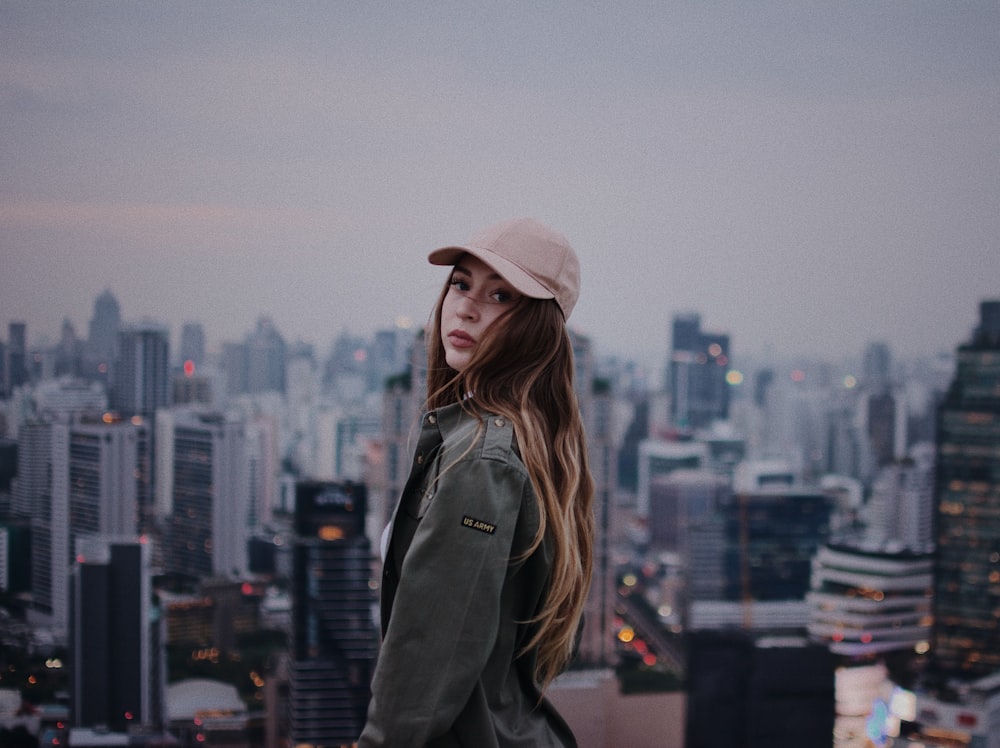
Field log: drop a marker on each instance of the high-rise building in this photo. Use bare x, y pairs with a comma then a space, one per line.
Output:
115, 673
882, 423
845, 447
16, 360
681, 499
76, 478
901, 507
193, 344
68, 352
659, 458
595, 398
402, 401
265, 358
203, 492
334, 640
758, 692
865, 601
263, 460
256, 365
102, 336
189, 388
755, 554
345, 371
142, 371
234, 368
33, 499
966, 639
387, 355
876, 374
61, 399
101, 461
771, 536
696, 374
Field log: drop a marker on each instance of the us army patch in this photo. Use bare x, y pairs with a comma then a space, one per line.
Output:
477, 524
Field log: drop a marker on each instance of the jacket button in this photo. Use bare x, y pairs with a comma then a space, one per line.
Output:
432, 418
420, 458
498, 422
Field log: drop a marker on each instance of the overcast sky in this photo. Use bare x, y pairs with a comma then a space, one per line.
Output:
809, 177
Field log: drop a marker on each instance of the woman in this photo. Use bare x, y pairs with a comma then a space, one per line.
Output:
488, 562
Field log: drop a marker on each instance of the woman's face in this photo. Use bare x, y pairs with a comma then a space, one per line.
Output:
476, 296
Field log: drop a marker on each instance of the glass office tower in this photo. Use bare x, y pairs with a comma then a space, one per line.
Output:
335, 639
967, 492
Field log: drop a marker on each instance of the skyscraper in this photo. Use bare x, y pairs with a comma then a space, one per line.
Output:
865, 601
203, 492
193, 343
696, 374
746, 691
97, 464
102, 336
680, 499
142, 371
114, 667
771, 537
68, 352
76, 478
595, 398
749, 561
265, 357
49, 523
966, 638
334, 635
901, 505
877, 368
16, 363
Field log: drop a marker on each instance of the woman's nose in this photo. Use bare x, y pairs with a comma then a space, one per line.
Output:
468, 308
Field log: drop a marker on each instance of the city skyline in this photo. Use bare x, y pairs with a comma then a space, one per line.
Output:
653, 359
807, 178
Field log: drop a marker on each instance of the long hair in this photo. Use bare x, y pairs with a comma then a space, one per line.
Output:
523, 370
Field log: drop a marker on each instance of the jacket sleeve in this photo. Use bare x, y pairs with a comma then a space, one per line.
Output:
446, 612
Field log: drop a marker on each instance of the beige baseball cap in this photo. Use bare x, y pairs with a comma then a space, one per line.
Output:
533, 258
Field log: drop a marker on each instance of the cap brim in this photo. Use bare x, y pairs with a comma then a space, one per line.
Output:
510, 272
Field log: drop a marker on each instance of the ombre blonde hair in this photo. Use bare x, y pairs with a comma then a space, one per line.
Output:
523, 370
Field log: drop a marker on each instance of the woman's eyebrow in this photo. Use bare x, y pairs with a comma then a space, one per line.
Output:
490, 277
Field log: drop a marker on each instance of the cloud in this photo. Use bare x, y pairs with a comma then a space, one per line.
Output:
161, 224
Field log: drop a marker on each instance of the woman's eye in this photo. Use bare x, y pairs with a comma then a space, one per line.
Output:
500, 296
459, 284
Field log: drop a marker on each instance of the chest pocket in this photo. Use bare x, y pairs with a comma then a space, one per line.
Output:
418, 501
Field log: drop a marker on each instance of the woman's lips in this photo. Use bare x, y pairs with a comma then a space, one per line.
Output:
460, 339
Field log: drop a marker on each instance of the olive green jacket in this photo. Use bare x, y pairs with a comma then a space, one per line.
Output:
456, 596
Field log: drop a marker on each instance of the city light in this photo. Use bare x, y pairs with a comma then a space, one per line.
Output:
330, 532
